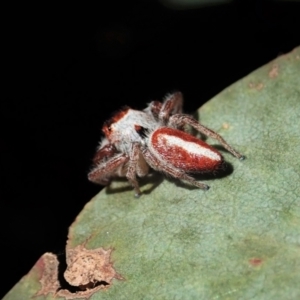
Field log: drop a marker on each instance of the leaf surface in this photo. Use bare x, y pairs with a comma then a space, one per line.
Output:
240, 239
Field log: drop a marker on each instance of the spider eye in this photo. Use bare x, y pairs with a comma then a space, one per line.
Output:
106, 129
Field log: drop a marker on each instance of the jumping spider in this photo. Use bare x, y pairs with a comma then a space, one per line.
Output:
136, 140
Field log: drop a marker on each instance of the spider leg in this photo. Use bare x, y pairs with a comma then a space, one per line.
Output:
172, 105
105, 152
158, 165
137, 166
179, 120
103, 171
154, 108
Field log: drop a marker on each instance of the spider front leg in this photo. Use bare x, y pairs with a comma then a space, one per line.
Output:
102, 172
179, 120
162, 166
104, 153
162, 111
172, 105
137, 166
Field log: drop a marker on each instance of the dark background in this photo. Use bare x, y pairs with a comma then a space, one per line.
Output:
68, 68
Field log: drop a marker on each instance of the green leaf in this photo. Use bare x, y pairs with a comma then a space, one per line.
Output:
240, 239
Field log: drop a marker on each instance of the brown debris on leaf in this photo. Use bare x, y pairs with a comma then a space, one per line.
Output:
255, 262
89, 267
258, 86
88, 270
48, 268
274, 71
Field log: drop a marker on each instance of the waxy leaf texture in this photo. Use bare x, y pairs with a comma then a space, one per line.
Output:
240, 239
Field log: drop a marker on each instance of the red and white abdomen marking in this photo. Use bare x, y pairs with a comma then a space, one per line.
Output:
184, 151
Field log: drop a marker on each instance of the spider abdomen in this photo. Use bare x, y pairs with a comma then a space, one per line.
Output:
184, 151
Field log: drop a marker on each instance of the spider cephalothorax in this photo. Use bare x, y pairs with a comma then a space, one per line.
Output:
136, 140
